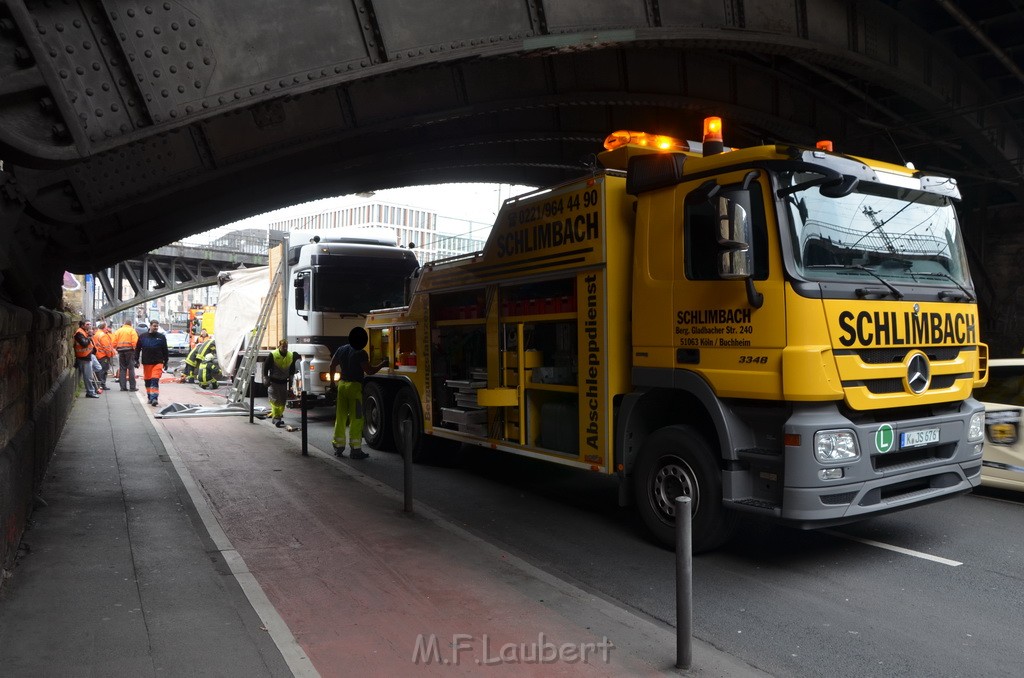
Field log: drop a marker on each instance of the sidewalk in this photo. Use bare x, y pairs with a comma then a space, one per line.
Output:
211, 546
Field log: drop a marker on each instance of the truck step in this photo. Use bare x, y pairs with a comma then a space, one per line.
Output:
751, 505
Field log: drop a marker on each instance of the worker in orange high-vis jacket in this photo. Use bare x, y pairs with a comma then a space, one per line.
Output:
152, 352
103, 340
125, 339
83, 357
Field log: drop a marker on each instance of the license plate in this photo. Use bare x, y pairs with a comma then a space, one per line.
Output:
919, 438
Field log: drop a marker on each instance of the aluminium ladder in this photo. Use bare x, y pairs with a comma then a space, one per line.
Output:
240, 384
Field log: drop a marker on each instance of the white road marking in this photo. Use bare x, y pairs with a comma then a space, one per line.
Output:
897, 549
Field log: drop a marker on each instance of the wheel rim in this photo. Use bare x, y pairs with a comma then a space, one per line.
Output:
372, 417
674, 478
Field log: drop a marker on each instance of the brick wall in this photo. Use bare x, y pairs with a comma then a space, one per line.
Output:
37, 386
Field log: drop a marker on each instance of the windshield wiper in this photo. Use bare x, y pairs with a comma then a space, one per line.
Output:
945, 294
863, 291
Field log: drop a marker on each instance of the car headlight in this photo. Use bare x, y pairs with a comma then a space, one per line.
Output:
833, 446
976, 427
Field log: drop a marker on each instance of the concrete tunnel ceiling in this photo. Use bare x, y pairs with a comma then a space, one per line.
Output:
126, 125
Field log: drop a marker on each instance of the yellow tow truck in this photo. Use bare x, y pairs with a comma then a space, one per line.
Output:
781, 331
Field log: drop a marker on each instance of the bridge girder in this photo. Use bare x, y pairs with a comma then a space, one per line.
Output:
124, 126
167, 270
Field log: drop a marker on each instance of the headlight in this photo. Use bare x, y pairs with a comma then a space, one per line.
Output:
833, 446
327, 377
976, 429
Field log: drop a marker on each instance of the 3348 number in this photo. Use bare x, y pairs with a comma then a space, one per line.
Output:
754, 359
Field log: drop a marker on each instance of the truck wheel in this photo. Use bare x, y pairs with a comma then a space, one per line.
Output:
677, 461
376, 421
407, 409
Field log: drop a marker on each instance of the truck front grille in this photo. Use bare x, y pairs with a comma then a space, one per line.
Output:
883, 386
882, 356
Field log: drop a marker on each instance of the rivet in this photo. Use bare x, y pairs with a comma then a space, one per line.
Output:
115, 108
156, 30
80, 70
199, 42
165, 49
77, 23
59, 27
198, 84
148, 53
156, 73
164, 93
182, 46
181, 88
131, 12
173, 69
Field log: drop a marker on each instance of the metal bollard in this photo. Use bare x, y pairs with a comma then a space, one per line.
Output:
684, 584
305, 440
407, 462
252, 397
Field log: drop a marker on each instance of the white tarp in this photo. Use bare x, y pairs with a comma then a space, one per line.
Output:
238, 308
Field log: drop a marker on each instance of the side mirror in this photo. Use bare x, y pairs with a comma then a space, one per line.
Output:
299, 285
735, 259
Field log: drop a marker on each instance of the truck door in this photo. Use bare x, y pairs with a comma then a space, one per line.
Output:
730, 329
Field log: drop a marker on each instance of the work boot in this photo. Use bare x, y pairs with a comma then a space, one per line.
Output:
339, 451
357, 453
279, 423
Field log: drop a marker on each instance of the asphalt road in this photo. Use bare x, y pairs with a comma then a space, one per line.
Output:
843, 602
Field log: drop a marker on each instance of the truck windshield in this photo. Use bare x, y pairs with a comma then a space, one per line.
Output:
901, 234
359, 286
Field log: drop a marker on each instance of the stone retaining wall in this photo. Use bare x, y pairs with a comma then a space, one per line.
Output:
37, 386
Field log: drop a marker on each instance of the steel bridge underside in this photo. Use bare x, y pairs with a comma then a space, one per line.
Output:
128, 125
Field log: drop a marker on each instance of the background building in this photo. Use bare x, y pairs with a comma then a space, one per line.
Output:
433, 237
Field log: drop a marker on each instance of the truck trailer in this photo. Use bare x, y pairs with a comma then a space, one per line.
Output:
779, 331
